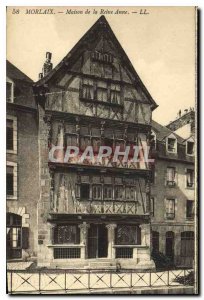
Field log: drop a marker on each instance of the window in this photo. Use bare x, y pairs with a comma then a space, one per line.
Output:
96, 191
9, 180
190, 178
11, 134
88, 89
189, 209
129, 193
190, 148
71, 140
171, 145
17, 237
152, 206
102, 91
66, 234
84, 191
119, 192
103, 57
95, 139
187, 244
108, 192
9, 91
84, 142
153, 140
170, 176
128, 235
115, 94
170, 208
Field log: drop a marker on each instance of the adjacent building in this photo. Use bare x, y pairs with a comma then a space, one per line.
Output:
22, 190
173, 191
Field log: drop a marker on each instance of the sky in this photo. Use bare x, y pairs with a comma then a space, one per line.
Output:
160, 45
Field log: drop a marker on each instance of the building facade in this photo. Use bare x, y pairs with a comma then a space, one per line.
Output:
91, 213
173, 194
22, 190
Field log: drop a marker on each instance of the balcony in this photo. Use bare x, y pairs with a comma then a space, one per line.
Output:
170, 216
171, 183
190, 185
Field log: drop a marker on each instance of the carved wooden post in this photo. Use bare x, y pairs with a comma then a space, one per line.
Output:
145, 234
52, 183
60, 143
84, 239
111, 236
148, 192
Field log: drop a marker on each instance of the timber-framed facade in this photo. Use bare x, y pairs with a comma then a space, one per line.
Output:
93, 214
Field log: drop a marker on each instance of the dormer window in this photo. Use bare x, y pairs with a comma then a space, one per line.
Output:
171, 144
190, 147
153, 140
9, 91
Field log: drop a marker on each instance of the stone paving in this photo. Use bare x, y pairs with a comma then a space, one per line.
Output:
20, 265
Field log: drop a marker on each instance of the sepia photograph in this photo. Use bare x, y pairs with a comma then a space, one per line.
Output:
101, 149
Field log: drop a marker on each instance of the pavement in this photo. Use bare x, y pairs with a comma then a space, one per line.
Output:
19, 265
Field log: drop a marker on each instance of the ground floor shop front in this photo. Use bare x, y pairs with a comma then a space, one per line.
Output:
99, 242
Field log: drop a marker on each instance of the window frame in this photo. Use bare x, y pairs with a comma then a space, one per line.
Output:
98, 185
14, 120
123, 227
187, 148
154, 138
15, 189
173, 182
112, 189
89, 186
8, 80
152, 205
167, 144
11, 227
193, 182
190, 217
169, 215
56, 235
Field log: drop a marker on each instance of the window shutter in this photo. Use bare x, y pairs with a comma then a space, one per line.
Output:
25, 237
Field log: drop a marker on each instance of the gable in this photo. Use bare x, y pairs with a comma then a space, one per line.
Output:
100, 38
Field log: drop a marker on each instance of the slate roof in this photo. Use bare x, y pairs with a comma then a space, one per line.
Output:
23, 86
162, 132
14, 73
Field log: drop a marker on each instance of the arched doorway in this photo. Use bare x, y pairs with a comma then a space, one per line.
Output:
170, 245
13, 235
155, 241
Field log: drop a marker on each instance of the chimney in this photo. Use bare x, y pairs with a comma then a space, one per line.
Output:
40, 76
47, 67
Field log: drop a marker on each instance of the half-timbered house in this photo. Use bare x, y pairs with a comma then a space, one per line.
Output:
93, 214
